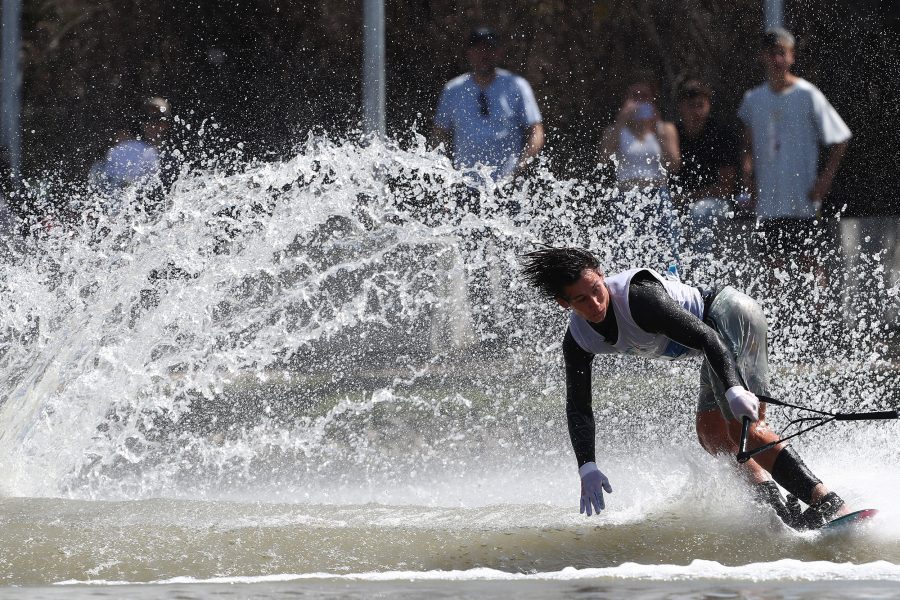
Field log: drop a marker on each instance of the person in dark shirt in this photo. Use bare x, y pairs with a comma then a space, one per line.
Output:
641, 313
710, 156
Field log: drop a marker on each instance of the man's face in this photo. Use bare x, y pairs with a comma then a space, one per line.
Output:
588, 296
483, 58
778, 60
694, 111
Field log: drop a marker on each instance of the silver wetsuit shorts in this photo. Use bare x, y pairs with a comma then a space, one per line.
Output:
740, 322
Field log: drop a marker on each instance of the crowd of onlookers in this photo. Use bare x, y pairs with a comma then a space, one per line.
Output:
697, 169
772, 165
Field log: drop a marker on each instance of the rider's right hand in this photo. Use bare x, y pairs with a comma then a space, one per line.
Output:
742, 402
593, 482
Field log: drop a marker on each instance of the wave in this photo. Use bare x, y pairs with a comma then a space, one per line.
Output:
48, 540
781, 570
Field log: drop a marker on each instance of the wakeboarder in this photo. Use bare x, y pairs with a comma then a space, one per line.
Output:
641, 313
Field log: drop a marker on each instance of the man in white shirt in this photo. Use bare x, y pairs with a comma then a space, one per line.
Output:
787, 120
489, 116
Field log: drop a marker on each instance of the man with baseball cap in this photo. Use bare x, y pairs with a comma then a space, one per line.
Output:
488, 116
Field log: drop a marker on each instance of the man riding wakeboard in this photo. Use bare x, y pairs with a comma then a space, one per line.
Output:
641, 313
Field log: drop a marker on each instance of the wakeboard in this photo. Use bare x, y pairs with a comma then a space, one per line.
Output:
849, 521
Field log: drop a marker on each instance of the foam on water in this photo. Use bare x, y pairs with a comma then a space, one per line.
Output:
782, 570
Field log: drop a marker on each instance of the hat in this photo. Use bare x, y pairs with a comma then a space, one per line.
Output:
777, 36
483, 35
693, 88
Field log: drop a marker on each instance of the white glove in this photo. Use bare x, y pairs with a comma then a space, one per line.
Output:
593, 482
743, 403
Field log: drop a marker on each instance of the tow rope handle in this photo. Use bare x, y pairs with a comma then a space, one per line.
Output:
745, 428
744, 455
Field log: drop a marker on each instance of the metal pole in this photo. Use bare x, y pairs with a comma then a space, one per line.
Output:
373, 67
774, 13
10, 95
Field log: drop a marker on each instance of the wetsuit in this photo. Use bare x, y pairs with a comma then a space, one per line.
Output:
654, 311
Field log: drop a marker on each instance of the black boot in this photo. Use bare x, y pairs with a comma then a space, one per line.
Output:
794, 508
768, 493
821, 512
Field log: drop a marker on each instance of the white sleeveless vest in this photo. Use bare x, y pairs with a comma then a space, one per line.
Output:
639, 158
632, 339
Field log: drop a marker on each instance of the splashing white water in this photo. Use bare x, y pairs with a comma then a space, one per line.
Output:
350, 318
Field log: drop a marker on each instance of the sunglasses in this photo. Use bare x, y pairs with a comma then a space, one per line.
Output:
483, 105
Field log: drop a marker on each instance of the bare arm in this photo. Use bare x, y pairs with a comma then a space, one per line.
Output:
671, 149
823, 182
533, 146
747, 159
609, 144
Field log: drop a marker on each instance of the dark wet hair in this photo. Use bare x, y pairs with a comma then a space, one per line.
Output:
553, 269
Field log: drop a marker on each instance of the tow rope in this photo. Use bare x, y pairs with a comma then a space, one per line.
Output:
823, 417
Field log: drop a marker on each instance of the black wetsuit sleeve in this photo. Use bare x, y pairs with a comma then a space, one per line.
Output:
579, 413
655, 311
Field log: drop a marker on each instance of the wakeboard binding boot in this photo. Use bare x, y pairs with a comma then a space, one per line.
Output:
818, 513
768, 493
788, 510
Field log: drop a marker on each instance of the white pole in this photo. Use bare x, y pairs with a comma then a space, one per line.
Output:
10, 94
774, 13
373, 67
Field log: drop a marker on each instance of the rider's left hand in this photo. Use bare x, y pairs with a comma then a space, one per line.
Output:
593, 482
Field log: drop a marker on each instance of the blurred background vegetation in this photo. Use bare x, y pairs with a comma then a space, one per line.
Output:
269, 71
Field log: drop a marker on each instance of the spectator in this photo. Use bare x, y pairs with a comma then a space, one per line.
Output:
127, 162
644, 151
489, 116
786, 120
710, 158
137, 160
